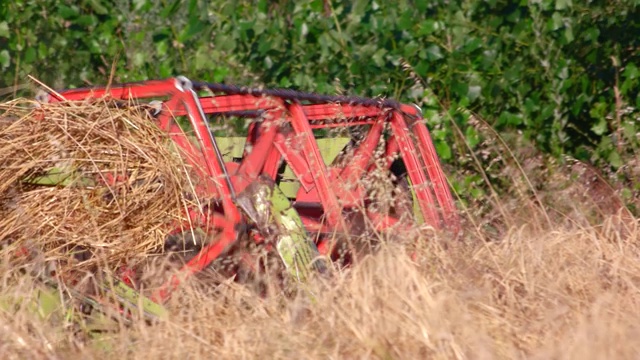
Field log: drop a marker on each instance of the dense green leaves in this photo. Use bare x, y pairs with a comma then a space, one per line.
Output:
564, 73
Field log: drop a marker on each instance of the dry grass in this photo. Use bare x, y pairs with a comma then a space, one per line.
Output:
568, 288
99, 221
559, 294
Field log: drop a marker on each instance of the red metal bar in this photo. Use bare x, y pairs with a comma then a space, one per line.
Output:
314, 226
254, 162
341, 124
414, 170
381, 222
189, 152
197, 264
289, 150
198, 218
235, 103
211, 153
362, 156
439, 181
273, 163
340, 111
231, 103
411, 110
216, 169
147, 89
332, 208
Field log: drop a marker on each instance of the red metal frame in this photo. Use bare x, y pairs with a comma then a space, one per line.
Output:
285, 134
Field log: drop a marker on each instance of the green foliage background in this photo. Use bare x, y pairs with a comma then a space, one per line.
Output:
564, 74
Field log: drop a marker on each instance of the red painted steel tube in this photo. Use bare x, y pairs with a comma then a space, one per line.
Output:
212, 156
314, 226
411, 110
340, 124
216, 169
147, 89
414, 170
209, 220
438, 179
363, 155
391, 150
333, 210
197, 264
289, 150
254, 162
189, 152
274, 158
381, 222
231, 103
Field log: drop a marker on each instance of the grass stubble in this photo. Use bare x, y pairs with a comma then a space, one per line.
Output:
559, 288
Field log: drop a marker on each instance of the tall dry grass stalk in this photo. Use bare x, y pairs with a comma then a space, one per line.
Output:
563, 294
567, 288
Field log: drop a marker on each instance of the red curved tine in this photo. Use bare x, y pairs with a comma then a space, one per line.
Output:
216, 170
197, 264
414, 169
438, 179
363, 155
142, 90
262, 154
311, 153
206, 185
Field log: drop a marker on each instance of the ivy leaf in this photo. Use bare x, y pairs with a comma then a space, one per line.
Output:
5, 59
30, 55
428, 27
510, 119
474, 92
614, 159
472, 136
631, 71
317, 6
97, 6
563, 4
568, 35
600, 127
460, 88
138, 59
378, 57
444, 150
434, 53
68, 12
193, 28
556, 21
4, 29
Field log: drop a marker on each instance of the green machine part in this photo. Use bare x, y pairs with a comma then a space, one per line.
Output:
270, 210
48, 302
298, 252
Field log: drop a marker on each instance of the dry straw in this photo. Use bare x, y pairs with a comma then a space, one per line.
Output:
89, 217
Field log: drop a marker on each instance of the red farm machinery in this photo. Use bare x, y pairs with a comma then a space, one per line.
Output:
286, 163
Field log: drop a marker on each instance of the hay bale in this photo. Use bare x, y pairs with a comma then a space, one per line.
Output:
107, 224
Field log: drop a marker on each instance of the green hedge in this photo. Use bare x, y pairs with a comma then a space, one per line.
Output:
563, 73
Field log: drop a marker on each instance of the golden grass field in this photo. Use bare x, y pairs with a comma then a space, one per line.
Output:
547, 284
